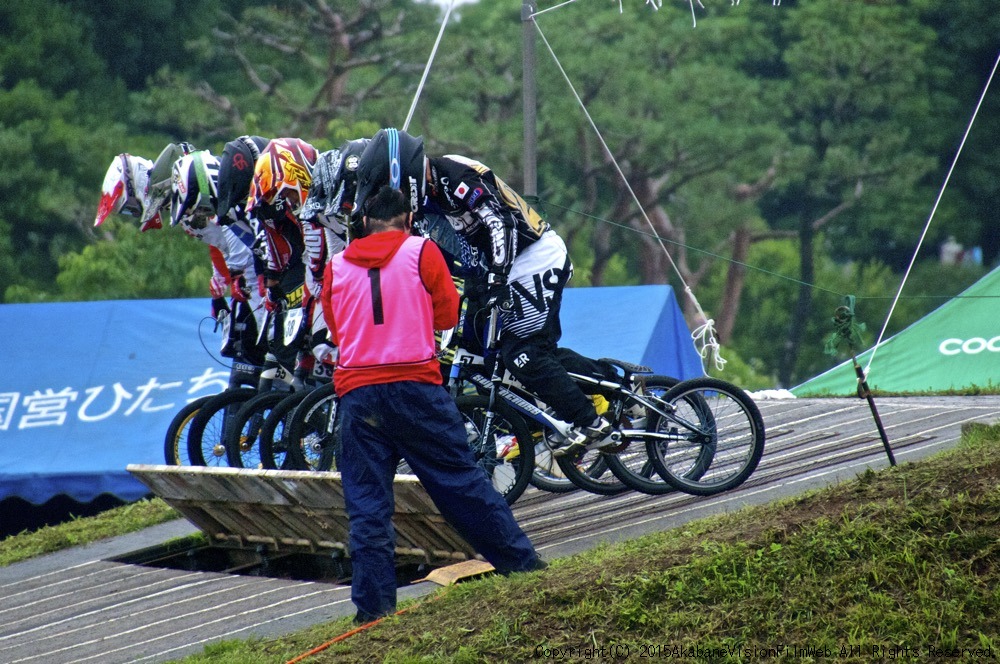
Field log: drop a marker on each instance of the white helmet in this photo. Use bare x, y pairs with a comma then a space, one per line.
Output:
159, 182
125, 190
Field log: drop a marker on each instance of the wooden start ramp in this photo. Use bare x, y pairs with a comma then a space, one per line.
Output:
296, 511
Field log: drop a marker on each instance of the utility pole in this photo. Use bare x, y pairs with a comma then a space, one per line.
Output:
528, 99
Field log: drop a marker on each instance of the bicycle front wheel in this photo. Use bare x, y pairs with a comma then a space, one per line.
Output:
711, 420
207, 435
311, 441
273, 451
175, 447
506, 451
631, 463
243, 432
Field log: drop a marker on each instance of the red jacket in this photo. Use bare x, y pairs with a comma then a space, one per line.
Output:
383, 297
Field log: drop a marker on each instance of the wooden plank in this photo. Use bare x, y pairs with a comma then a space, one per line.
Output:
298, 510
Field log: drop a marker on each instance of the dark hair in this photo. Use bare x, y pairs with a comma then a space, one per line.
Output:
385, 206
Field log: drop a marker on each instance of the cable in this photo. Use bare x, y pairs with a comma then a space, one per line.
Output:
427, 67
704, 336
207, 351
360, 628
927, 226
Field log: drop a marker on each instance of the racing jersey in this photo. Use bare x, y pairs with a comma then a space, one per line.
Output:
234, 242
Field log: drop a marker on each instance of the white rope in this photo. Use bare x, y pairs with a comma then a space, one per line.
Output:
927, 226
427, 67
706, 333
561, 4
655, 4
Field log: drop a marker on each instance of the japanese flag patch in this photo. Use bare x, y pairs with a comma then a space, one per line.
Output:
461, 190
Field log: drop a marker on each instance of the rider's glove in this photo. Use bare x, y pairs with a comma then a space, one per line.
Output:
239, 288
322, 348
217, 285
275, 298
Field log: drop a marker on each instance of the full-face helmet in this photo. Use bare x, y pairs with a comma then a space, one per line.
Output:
334, 183
283, 170
236, 167
160, 176
125, 188
194, 185
395, 158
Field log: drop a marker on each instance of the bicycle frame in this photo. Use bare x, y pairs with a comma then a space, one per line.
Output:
501, 384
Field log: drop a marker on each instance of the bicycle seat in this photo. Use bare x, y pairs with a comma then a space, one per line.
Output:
627, 367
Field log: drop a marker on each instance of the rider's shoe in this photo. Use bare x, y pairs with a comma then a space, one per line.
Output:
587, 437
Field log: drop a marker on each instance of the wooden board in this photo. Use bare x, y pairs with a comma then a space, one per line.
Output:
287, 510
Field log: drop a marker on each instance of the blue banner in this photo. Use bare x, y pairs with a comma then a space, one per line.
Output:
87, 388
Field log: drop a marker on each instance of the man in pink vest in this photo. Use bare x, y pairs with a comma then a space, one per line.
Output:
383, 297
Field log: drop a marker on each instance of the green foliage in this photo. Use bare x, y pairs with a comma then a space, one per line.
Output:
806, 101
751, 376
131, 265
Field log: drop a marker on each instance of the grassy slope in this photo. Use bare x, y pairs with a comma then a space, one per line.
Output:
117, 521
908, 557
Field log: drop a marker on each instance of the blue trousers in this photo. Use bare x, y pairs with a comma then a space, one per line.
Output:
420, 423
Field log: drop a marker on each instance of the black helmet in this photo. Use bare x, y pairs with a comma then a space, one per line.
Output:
335, 181
236, 172
395, 158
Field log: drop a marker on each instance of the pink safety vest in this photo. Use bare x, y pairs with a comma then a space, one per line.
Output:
384, 315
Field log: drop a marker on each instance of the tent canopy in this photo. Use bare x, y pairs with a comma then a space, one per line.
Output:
90, 387
955, 347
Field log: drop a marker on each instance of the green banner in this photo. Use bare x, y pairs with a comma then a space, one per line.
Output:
956, 346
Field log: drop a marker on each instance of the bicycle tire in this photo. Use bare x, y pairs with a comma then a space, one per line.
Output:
206, 437
735, 436
547, 475
175, 451
273, 451
511, 471
242, 439
590, 472
312, 437
632, 464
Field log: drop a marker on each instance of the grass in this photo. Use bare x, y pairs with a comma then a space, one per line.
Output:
117, 521
906, 558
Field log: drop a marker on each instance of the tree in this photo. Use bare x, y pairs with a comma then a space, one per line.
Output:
130, 265
853, 69
297, 69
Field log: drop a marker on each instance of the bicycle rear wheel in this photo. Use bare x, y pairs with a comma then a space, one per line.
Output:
732, 438
590, 472
548, 476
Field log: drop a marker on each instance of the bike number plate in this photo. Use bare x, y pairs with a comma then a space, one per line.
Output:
293, 320
227, 322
